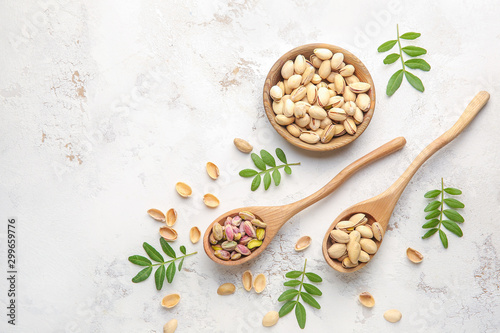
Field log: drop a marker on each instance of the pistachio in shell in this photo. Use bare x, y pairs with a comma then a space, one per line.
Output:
169, 234
226, 289
170, 326
270, 319
303, 243
212, 170
243, 145
211, 200
171, 217
194, 235
393, 316
183, 189
170, 301
366, 299
259, 284
247, 278
414, 256
156, 214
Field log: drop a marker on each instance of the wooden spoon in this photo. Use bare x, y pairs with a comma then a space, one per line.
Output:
380, 207
276, 216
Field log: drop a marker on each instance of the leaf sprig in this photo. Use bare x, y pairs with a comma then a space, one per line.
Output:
292, 296
261, 162
436, 212
412, 51
161, 273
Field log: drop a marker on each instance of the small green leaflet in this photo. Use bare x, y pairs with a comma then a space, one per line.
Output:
394, 82
271, 174
391, 58
160, 277
142, 275
414, 81
410, 35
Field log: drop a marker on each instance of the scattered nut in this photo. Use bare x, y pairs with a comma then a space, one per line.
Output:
226, 289
259, 284
243, 146
194, 235
303, 243
270, 319
183, 189
169, 234
247, 280
170, 327
212, 170
414, 256
211, 200
171, 217
366, 299
170, 301
156, 214
393, 316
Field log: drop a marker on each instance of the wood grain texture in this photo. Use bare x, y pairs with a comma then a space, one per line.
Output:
275, 75
276, 216
380, 207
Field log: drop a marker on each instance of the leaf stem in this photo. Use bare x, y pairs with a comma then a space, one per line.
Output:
301, 282
175, 259
442, 204
400, 52
277, 167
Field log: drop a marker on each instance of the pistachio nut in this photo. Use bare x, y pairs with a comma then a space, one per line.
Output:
312, 93
229, 245
211, 239
249, 228
323, 96
299, 64
336, 102
347, 263
331, 79
240, 248
328, 133
246, 215
211, 200
194, 235
351, 79
350, 126
259, 283
360, 87
258, 223
309, 137
365, 231
288, 89
314, 124
317, 112
216, 247
222, 254
316, 79
337, 114
235, 255
301, 109
278, 107
378, 231
284, 120
170, 301
315, 60
337, 60
281, 85
346, 226
294, 130
325, 123
350, 108
307, 75
393, 316
276, 93
354, 236
247, 279
339, 130
337, 250
170, 326
226, 289
366, 299
349, 95
414, 256
347, 70
339, 236
294, 81
243, 146
288, 108
359, 219
368, 245
298, 93
363, 256
270, 319
304, 121
323, 54
353, 251
217, 231
303, 243
254, 243
363, 102
229, 232
287, 69
260, 233
358, 116
237, 236
244, 240
236, 221
339, 84
325, 69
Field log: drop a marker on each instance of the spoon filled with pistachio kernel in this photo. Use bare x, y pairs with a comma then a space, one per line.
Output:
241, 234
357, 233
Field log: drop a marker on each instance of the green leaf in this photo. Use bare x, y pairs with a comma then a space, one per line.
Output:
432, 206
415, 81
313, 290
414, 51
432, 194
288, 295
171, 272
287, 308
443, 238
313, 277
453, 215
259, 163
140, 260
160, 277
152, 253
267, 180
391, 58
255, 183
183, 249
291, 283
288, 170
394, 82
452, 191
142, 275
430, 233
300, 314
247, 173
276, 177
169, 251
433, 214
418, 64
387, 46
453, 227
180, 264
293, 274
268, 158
454, 203
431, 224
281, 155
310, 300
410, 35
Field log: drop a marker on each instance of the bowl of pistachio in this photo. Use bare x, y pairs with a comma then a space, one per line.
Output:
319, 97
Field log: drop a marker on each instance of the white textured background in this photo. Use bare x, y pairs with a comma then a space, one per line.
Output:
105, 105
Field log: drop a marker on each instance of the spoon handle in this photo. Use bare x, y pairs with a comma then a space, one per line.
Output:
382, 151
470, 113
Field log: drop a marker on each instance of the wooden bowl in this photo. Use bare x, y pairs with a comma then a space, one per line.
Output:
274, 77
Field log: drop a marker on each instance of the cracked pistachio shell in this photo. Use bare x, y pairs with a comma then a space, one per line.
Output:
211, 200
298, 93
414, 256
259, 283
360, 87
308, 75
347, 263
337, 250
294, 130
347, 70
316, 79
328, 133
358, 116
349, 108
365, 231
226, 289
284, 120
260, 233
301, 109
323, 54
247, 279
170, 301
315, 61
194, 235
366, 299
169, 234
346, 226
212, 170
378, 231
314, 124
156, 214
337, 114
323, 96
243, 146
393, 316
171, 217
299, 64
336, 102
309, 137
254, 243
270, 319
170, 326
183, 189
363, 257
339, 236
337, 60
303, 243
287, 69
363, 102
351, 79
350, 126
359, 219
339, 130
368, 245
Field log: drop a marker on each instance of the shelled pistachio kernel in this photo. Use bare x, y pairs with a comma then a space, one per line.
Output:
238, 237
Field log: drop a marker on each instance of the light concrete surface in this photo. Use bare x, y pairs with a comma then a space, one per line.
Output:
105, 105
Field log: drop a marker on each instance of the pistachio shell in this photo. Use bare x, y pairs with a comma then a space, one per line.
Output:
323, 54
298, 93
347, 263
336, 102
358, 116
284, 120
308, 75
294, 81
349, 95
337, 114
339, 236
366, 299
414, 256
368, 245
350, 126
359, 219
393, 316
170, 301
156, 214
171, 217
288, 109
259, 284
347, 70
360, 87
303, 243
309, 137
337, 250
317, 112
270, 319
336, 61
299, 64
212, 170
365, 231
351, 79
277, 107
316, 79
183, 189
325, 123
169, 234
353, 250
378, 231
244, 146
325, 69
170, 326
246, 278
339, 130
287, 69
211, 200
328, 133
304, 121
314, 125
364, 257
339, 84
315, 61
363, 102
194, 235
294, 130
346, 226
323, 96
246, 215
226, 289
